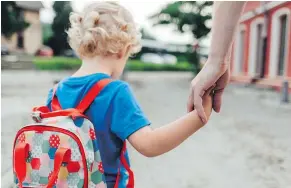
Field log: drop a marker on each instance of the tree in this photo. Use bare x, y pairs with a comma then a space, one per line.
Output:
58, 42
47, 32
186, 16
11, 22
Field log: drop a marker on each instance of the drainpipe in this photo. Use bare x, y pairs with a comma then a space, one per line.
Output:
265, 37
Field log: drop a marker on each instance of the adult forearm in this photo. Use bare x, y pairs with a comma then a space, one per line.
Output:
226, 16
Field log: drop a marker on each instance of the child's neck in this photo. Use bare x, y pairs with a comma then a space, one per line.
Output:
95, 65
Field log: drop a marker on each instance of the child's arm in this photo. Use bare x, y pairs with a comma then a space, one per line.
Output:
155, 142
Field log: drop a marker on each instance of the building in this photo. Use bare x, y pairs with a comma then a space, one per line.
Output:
262, 48
29, 40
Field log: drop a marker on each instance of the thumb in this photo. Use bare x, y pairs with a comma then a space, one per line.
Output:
217, 100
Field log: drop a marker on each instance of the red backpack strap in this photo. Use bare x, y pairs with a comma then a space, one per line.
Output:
92, 94
55, 104
130, 183
124, 163
21, 153
62, 155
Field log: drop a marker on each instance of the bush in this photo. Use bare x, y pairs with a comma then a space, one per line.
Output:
135, 65
66, 63
57, 63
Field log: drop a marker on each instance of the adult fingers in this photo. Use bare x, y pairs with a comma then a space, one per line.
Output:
217, 100
198, 93
210, 90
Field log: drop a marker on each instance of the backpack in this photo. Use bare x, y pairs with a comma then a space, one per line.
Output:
61, 149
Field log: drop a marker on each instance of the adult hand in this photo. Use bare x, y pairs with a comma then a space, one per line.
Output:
211, 74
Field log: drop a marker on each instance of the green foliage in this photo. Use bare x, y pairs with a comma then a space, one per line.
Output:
11, 20
136, 65
65, 63
187, 16
61, 20
47, 32
58, 42
56, 63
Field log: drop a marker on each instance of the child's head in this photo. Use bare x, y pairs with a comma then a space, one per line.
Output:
104, 29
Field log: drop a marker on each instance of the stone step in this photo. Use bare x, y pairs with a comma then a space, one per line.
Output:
19, 65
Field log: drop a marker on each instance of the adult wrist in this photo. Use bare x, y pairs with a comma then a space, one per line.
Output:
220, 64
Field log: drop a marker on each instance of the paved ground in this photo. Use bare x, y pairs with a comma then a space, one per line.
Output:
248, 145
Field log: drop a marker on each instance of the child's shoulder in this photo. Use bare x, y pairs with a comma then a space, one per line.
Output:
121, 87
119, 83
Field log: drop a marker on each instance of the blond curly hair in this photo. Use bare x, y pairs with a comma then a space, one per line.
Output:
104, 28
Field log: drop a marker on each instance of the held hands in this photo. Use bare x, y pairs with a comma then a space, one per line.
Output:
207, 101
211, 74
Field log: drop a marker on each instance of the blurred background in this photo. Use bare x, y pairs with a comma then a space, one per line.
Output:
247, 145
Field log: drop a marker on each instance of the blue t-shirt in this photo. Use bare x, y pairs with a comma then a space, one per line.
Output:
115, 114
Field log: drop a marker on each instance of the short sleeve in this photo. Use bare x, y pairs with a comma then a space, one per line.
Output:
49, 98
127, 116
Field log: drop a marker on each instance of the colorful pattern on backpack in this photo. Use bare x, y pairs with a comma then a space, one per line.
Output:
46, 137
61, 148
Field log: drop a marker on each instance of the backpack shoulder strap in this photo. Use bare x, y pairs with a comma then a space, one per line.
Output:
92, 94
55, 104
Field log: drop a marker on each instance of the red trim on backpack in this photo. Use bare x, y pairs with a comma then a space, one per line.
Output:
125, 164
43, 109
44, 112
71, 112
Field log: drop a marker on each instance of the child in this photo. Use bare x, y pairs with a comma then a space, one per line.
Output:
104, 36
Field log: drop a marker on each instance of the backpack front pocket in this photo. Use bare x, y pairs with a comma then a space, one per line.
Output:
50, 156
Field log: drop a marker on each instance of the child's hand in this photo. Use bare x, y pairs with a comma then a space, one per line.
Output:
207, 101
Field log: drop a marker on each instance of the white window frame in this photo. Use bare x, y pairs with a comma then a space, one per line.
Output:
253, 40
275, 42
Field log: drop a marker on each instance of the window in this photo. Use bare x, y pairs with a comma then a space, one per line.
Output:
280, 34
259, 49
282, 46
255, 68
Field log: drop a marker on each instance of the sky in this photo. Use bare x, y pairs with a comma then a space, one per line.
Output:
141, 11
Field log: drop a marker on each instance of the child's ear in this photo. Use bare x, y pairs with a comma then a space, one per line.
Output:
124, 52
